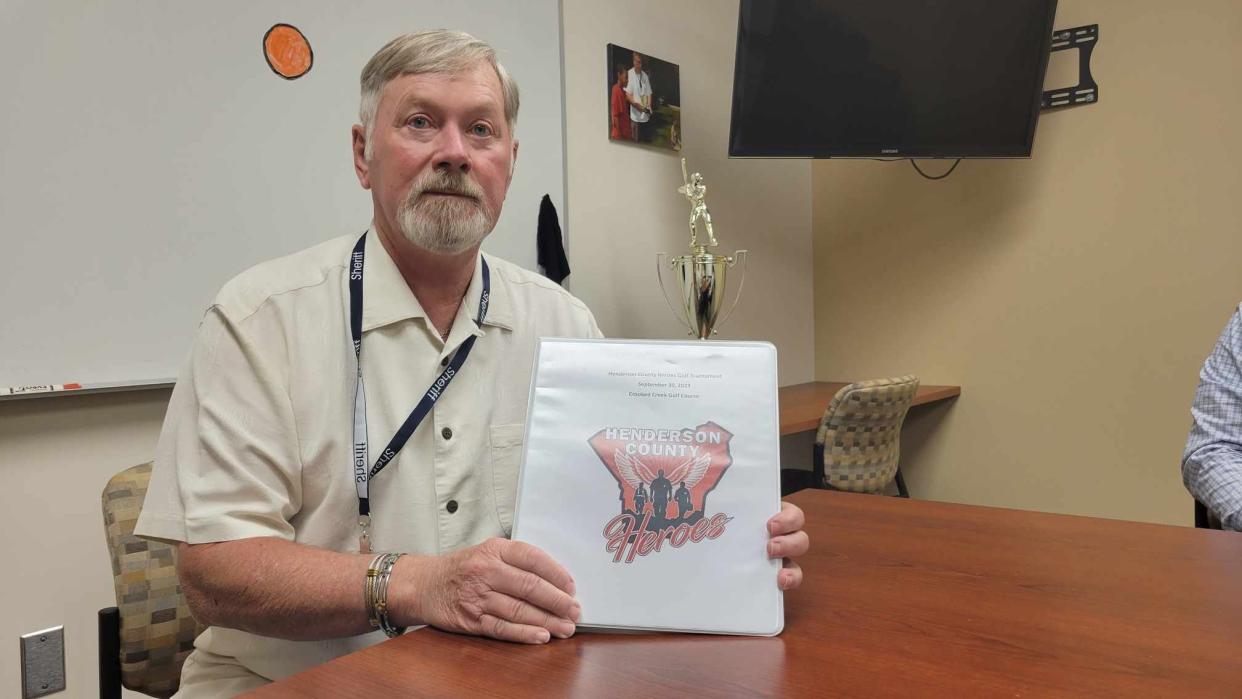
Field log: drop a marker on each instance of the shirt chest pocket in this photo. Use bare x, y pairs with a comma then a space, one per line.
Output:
506, 461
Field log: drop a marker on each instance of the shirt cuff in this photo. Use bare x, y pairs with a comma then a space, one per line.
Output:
208, 531
160, 526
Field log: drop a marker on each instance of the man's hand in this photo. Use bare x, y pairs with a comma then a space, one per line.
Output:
787, 541
504, 589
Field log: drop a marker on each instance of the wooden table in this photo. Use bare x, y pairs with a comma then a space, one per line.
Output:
803, 405
901, 598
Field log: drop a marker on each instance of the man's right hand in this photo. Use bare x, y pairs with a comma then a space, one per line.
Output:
505, 589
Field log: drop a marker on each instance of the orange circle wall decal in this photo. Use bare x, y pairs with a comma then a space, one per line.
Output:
287, 51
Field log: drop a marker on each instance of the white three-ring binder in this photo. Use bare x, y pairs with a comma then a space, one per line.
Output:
650, 470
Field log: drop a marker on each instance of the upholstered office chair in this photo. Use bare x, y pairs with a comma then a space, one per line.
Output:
859, 438
145, 638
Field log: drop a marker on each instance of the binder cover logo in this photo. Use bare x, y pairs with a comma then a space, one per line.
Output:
664, 477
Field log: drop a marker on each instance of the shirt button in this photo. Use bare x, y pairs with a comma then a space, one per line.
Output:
446, 433
451, 506
444, 362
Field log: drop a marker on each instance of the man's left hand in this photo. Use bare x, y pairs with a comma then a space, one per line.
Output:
787, 541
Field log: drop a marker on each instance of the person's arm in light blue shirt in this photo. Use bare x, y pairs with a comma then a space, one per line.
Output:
1212, 462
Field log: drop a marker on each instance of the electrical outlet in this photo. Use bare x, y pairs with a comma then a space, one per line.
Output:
43, 662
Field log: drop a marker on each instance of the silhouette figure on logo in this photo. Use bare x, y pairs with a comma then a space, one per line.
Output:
683, 501
653, 489
661, 491
640, 500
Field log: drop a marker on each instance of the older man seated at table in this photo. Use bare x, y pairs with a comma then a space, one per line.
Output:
262, 470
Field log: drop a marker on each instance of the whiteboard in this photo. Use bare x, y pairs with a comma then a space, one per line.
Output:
148, 154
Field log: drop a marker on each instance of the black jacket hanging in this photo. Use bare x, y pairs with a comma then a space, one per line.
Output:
549, 248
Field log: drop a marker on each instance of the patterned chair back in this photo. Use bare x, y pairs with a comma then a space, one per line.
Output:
157, 630
859, 437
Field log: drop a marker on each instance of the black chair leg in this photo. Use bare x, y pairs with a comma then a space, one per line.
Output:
110, 653
901, 485
1204, 518
795, 479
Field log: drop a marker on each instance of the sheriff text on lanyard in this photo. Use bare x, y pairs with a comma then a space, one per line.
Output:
363, 475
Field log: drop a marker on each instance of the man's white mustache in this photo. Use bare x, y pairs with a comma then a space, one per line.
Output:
463, 188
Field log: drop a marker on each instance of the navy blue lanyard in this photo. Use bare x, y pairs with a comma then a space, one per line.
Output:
363, 475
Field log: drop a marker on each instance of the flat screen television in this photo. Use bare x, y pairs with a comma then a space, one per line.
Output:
889, 78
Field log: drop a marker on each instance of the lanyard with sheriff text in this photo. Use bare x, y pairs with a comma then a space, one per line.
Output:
363, 475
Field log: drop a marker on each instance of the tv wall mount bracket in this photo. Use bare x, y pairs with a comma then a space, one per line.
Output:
1086, 91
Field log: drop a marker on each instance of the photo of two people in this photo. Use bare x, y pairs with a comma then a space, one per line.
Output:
644, 99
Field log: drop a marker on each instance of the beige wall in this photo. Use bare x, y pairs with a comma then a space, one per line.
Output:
623, 203
57, 453
1073, 296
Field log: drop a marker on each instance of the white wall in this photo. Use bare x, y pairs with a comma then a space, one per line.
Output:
57, 453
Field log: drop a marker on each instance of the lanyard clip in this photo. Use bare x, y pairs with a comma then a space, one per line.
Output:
364, 539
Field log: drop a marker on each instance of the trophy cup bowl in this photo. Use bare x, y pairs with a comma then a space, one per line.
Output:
700, 278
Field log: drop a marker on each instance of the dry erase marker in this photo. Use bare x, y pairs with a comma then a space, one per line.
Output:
42, 388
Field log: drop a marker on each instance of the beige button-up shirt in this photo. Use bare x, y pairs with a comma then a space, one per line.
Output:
257, 438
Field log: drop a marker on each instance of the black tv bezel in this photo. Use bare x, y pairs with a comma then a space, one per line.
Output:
1021, 151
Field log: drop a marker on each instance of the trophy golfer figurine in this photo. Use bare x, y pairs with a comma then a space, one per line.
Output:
700, 275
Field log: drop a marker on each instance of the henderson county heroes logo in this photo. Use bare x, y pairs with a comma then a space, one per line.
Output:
664, 477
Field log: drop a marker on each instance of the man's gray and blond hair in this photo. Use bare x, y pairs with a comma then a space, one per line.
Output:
433, 51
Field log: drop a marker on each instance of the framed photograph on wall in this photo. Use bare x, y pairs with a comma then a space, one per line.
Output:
644, 99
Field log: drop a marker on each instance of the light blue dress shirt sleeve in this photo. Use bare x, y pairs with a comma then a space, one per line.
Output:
1212, 463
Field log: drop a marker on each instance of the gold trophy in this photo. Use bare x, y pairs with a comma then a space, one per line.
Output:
700, 275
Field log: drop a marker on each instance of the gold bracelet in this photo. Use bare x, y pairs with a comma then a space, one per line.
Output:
381, 597
368, 591
376, 593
